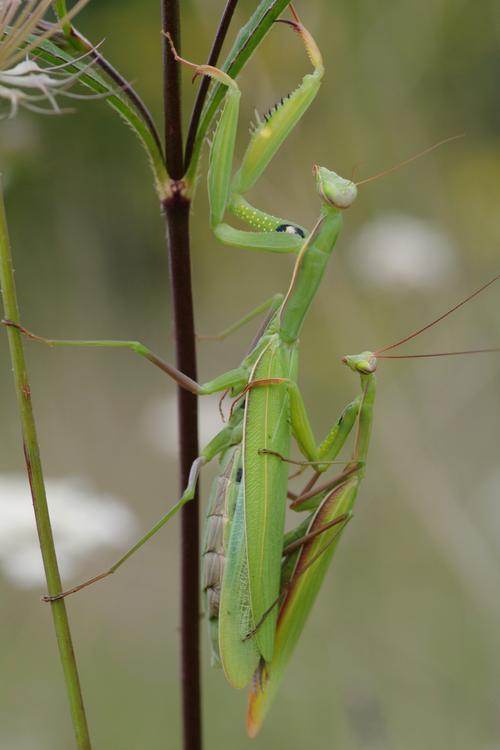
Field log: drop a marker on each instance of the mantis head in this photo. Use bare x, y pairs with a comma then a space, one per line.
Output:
335, 190
364, 363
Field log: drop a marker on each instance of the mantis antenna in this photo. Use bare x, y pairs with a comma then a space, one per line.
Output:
380, 352
410, 159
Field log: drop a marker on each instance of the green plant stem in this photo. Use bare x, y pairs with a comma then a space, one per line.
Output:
35, 475
61, 11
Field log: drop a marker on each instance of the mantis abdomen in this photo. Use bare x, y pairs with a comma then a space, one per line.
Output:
221, 505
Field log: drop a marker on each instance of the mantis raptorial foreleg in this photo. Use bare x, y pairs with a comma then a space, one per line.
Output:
311, 499
304, 571
324, 501
270, 233
319, 455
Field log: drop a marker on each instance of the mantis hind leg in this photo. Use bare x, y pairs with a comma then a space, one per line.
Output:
187, 495
236, 378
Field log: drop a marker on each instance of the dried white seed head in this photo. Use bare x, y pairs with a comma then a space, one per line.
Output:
23, 80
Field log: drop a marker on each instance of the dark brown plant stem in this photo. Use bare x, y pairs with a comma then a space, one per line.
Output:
177, 208
202, 91
172, 90
177, 216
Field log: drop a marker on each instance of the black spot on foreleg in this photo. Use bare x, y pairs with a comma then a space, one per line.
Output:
290, 229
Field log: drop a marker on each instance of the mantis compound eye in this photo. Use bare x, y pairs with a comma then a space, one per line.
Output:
290, 229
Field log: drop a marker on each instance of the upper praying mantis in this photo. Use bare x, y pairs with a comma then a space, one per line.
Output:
253, 572
273, 407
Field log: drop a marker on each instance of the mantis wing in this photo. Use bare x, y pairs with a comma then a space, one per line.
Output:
304, 586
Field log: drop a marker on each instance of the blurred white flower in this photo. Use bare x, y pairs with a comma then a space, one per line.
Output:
82, 521
397, 250
159, 422
23, 82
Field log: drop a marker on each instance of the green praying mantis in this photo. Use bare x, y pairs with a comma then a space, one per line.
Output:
273, 407
260, 582
309, 550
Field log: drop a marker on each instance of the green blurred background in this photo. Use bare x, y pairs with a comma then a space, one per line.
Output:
402, 648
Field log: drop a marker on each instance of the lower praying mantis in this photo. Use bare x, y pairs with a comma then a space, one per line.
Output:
307, 554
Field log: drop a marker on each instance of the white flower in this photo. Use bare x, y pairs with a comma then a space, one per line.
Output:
23, 81
83, 521
159, 422
396, 250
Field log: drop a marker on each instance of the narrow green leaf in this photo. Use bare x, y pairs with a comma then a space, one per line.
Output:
61, 11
